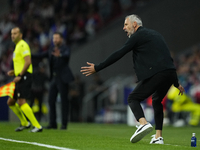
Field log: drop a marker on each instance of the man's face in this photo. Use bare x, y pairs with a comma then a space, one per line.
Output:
57, 40
16, 36
128, 27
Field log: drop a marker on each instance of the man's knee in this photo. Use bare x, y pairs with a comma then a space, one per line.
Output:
157, 105
135, 97
156, 102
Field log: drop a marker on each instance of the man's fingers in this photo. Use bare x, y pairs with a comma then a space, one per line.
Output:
89, 63
181, 92
84, 67
86, 73
85, 70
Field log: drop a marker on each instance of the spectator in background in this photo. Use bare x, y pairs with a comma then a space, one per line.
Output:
93, 24
90, 27
184, 103
96, 86
76, 94
5, 26
47, 10
58, 26
38, 88
105, 9
5, 66
78, 35
60, 76
125, 4
43, 38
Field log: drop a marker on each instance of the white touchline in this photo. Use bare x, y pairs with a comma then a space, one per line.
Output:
170, 144
38, 144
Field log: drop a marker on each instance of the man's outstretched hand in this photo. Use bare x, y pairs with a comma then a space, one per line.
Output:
11, 73
181, 90
88, 70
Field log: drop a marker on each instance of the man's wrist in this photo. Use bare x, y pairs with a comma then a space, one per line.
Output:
19, 75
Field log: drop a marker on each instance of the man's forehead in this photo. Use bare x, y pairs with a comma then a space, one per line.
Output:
15, 30
56, 35
127, 20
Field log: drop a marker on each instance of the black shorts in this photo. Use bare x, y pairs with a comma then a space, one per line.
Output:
23, 87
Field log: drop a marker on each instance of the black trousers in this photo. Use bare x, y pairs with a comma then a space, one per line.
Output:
39, 95
58, 86
157, 86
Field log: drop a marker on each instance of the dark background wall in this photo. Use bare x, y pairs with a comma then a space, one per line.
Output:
177, 20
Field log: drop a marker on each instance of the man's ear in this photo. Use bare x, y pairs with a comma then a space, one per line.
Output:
134, 24
21, 35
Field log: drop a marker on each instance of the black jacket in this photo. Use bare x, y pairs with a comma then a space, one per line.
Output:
149, 51
59, 66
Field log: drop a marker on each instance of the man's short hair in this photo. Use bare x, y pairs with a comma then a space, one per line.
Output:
135, 18
20, 29
60, 34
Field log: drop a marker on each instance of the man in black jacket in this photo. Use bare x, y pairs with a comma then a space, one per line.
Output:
154, 69
60, 76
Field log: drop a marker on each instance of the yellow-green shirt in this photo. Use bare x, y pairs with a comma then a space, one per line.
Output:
22, 49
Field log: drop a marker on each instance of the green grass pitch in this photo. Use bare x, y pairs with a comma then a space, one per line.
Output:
83, 136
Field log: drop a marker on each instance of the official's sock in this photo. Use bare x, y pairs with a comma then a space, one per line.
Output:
29, 114
16, 109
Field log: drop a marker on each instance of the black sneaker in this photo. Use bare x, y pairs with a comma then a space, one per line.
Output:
63, 127
50, 127
36, 130
21, 128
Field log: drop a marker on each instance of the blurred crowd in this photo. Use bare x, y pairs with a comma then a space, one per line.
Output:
78, 20
188, 69
187, 107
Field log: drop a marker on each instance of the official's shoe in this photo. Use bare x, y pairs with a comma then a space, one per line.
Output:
50, 127
36, 129
159, 140
141, 132
63, 127
21, 128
